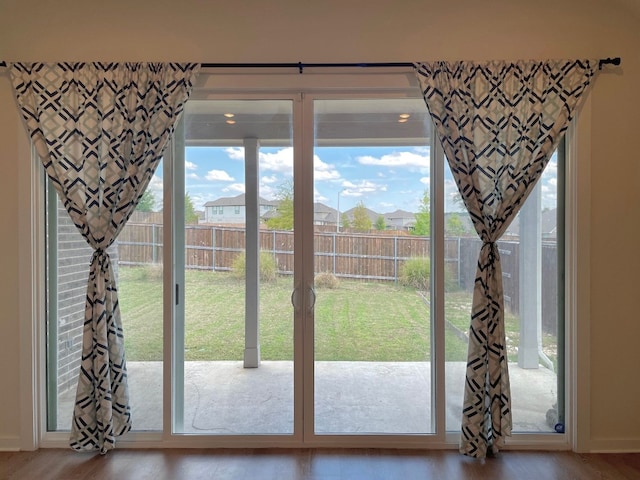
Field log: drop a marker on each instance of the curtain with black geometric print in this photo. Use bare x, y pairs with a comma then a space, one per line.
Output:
100, 130
499, 124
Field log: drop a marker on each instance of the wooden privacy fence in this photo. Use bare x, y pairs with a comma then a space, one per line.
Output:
348, 255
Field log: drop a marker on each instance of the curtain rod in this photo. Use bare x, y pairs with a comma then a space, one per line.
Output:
301, 66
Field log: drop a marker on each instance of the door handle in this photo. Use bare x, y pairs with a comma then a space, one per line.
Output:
312, 298
294, 299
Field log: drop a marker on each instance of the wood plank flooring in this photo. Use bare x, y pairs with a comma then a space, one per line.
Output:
312, 464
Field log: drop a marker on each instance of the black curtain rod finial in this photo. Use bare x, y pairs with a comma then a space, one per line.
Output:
609, 61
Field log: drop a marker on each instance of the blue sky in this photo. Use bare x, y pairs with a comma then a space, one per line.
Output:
383, 178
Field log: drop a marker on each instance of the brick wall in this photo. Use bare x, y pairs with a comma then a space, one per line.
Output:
74, 257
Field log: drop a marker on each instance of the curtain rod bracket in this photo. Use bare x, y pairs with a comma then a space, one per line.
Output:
300, 67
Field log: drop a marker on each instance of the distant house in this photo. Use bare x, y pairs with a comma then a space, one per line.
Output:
548, 225
231, 210
400, 220
324, 215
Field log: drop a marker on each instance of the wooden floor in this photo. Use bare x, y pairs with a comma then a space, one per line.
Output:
326, 464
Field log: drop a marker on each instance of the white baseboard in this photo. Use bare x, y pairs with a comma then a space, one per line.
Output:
9, 444
615, 445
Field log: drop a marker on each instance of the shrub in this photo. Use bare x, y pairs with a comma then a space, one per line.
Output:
326, 280
415, 273
268, 268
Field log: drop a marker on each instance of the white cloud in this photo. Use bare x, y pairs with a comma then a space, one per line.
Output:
218, 176
324, 171
397, 159
363, 187
234, 187
190, 165
348, 184
318, 197
452, 200
549, 184
280, 161
155, 183
200, 199
551, 169
425, 181
549, 194
235, 153
156, 188
267, 180
193, 176
268, 192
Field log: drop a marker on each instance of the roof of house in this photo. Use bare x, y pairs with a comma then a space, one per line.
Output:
238, 200
548, 223
400, 214
370, 213
322, 208
324, 213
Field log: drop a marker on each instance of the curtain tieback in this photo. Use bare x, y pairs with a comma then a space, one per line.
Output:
493, 254
101, 257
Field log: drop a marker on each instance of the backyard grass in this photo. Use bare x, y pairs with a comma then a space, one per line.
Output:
357, 321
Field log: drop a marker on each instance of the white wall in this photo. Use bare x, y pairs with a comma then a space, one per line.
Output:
372, 30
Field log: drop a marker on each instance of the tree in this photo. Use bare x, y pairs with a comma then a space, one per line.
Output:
283, 220
190, 215
380, 223
454, 225
147, 202
344, 221
423, 217
361, 220
457, 200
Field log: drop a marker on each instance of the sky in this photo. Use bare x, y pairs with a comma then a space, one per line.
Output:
384, 179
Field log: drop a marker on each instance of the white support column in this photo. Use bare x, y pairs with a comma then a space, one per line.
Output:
530, 281
252, 264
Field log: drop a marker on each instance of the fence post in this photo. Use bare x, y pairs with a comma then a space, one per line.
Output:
154, 252
334, 253
459, 250
395, 258
274, 250
213, 248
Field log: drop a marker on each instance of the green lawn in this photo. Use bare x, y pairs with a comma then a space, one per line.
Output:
356, 321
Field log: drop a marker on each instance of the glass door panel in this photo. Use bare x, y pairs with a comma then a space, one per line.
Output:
531, 255
372, 341
136, 258
236, 358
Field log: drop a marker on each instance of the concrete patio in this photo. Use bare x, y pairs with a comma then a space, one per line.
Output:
222, 397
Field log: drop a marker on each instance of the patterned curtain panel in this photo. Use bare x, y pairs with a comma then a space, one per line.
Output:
499, 123
100, 130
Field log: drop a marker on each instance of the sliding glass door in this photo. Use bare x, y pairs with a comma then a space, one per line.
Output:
372, 330
234, 257
272, 249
